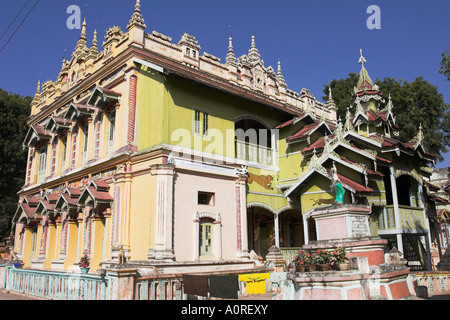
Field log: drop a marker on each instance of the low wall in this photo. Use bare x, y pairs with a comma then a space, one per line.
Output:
393, 284
428, 283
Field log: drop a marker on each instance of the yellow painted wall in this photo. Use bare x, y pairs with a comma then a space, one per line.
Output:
72, 235
315, 189
165, 113
51, 243
28, 232
142, 220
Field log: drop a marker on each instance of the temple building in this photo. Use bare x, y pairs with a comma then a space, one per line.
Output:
153, 148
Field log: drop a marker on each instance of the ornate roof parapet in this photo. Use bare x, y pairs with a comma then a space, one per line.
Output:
113, 34
189, 50
190, 41
248, 71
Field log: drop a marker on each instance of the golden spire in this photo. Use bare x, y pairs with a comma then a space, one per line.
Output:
82, 43
93, 51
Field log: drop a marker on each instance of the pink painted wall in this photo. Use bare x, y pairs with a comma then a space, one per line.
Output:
187, 186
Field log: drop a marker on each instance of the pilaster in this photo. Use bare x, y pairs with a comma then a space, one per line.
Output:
51, 244
27, 240
72, 235
162, 228
241, 217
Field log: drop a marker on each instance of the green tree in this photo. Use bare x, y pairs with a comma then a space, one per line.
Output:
416, 103
445, 64
14, 112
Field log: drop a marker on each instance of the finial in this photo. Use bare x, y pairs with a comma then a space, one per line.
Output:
38, 89
230, 58
279, 76
83, 29
137, 19
93, 51
253, 53
362, 60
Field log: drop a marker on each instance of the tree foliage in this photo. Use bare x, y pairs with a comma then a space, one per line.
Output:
14, 112
415, 103
445, 64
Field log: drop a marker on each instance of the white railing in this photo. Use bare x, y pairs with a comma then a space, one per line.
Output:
254, 153
55, 285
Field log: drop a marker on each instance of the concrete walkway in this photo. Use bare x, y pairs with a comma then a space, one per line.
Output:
4, 295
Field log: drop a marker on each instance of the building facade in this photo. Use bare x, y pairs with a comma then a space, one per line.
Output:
151, 149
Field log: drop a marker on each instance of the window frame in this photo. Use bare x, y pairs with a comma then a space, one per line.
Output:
201, 122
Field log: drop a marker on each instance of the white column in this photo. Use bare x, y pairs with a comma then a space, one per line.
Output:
164, 212
277, 232
396, 210
305, 229
427, 226
241, 217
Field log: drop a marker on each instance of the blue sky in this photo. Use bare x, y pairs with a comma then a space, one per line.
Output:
316, 41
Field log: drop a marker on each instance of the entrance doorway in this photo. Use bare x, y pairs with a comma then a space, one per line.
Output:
261, 232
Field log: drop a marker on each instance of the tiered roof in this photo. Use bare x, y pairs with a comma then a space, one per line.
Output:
372, 143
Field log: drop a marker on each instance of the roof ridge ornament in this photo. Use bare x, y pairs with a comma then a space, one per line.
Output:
330, 103
418, 139
364, 82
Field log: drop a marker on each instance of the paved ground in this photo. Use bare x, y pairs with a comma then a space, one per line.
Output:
14, 296
4, 295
